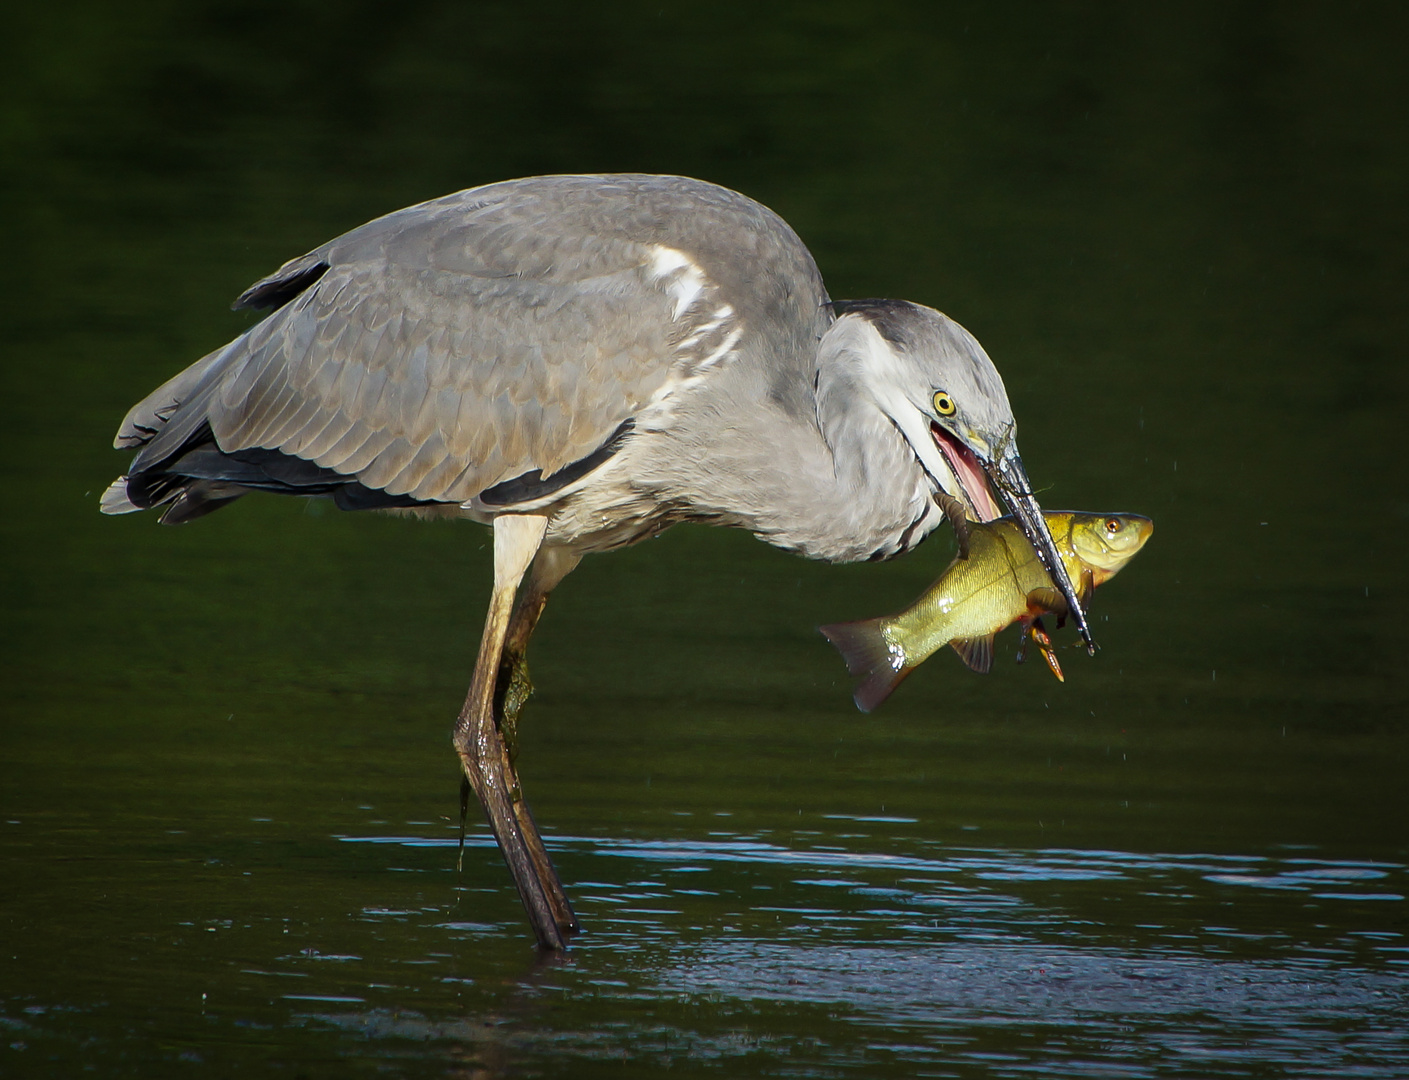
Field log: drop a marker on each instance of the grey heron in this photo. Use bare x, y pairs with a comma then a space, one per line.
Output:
580, 362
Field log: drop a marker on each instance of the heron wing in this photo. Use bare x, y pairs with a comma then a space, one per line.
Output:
452, 346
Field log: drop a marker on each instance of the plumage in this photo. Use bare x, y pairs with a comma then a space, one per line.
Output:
582, 361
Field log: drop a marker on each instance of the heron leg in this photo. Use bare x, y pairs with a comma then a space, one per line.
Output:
483, 755
550, 566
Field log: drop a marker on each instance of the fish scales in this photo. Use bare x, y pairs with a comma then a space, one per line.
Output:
978, 596
1001, 581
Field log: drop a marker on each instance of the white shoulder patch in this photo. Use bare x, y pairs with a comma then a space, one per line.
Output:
683, 277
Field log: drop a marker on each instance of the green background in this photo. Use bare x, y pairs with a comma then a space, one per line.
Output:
1181, 234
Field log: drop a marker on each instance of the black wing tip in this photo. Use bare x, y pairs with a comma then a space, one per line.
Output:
278, 290
533, 485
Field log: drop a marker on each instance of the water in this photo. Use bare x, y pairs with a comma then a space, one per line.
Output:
227, 799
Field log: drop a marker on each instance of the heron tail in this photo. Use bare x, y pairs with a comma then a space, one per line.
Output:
867, 654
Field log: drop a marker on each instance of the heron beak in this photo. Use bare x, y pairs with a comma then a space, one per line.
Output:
1014, 488
975, 473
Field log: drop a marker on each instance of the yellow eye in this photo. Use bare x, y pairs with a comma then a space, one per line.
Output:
943, 403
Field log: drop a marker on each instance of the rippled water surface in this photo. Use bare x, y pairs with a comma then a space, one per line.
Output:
228, 807
836, 943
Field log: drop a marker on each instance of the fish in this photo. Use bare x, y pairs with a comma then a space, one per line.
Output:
994, 581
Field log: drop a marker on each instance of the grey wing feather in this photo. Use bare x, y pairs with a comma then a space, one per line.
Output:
450, 347
361, 374
151, 416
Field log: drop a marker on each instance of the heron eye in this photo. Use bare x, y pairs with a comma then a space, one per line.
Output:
943, 403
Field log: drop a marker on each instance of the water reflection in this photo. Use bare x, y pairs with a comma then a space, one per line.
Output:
1205, 963
845, 943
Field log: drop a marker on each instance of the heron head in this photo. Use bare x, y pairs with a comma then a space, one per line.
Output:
941, 391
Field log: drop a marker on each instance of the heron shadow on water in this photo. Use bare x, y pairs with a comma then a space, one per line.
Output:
580, 362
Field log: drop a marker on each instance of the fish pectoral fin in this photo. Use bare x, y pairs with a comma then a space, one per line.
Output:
977, 652
1051, 600
1047, 599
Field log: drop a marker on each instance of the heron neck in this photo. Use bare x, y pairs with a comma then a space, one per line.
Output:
828, 476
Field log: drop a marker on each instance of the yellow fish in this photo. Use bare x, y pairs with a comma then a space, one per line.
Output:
1000, 582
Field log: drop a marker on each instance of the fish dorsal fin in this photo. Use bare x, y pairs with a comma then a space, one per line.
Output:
1047, 599
958, 520
977, 652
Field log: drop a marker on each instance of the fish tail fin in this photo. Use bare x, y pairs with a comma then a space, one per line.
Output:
870, 656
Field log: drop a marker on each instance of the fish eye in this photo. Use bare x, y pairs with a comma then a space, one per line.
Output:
1112, 525
943, 403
